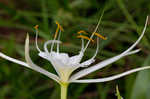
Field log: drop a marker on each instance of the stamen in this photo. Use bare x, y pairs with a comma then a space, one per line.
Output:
82, 32
91, 60
82, 46
36, 28
97, 49
59, 29
49, 42
56, 33
85, 37
100, 36
58, 40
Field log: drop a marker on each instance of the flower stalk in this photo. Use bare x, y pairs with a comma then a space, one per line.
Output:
64, 88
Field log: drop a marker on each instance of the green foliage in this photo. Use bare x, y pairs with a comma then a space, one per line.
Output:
122, 23
141, 84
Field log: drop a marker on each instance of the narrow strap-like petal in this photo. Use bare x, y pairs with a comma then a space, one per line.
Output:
112, 77
14, 60
35, 67
141, 36
100, 65
90, 61
26, 65
108, 61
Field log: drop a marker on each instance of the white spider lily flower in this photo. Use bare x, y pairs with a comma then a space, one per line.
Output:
65, 65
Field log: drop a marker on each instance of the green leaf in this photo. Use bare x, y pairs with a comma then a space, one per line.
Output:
141, 85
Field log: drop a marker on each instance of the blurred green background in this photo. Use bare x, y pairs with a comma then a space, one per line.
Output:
122, 24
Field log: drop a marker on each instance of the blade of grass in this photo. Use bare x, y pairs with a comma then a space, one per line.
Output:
45, 15
141, 85
130, 20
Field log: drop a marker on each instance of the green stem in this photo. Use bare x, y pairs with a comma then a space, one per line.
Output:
64, 88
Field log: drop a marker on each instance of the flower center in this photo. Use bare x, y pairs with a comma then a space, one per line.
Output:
62, 63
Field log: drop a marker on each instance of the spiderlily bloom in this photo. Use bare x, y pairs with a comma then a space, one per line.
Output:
65, 65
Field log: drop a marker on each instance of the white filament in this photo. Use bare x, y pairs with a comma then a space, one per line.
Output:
36, 41
58, 40
49, 42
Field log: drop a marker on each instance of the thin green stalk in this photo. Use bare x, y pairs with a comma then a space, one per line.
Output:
64, 88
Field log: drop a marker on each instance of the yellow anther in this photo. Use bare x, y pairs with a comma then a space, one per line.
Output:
59, 26
100, 36
82, 32
57, 30
85, 37
56, 33
36, 27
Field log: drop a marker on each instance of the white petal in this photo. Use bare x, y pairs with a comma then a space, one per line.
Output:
108, 61
100, 65
112, 77
14, 60
139, 37
35, 67
133, 52
25, 64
